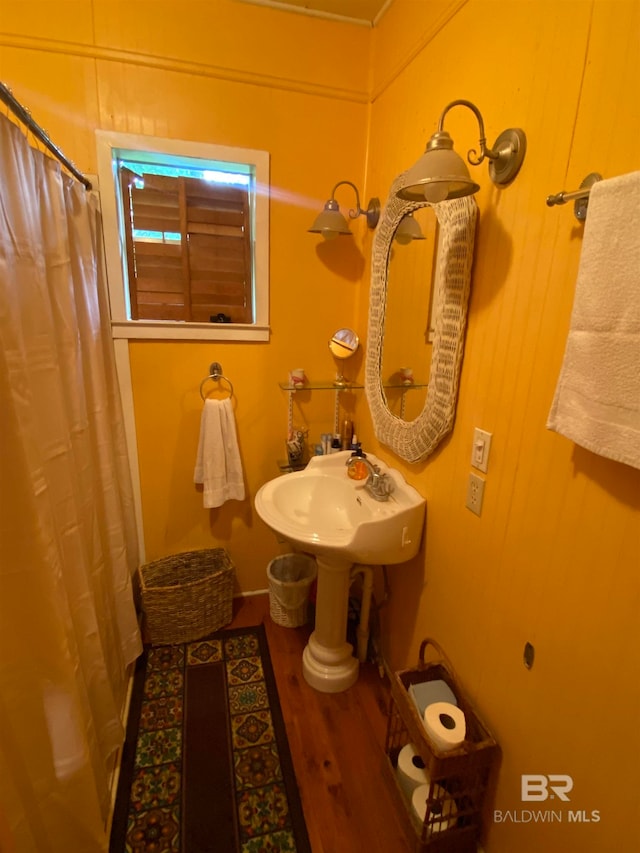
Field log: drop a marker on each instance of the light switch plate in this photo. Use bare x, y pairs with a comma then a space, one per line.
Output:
480, 449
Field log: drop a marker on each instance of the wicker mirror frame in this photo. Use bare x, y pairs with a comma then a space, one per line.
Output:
417, 439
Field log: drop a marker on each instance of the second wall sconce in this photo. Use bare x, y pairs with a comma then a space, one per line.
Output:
442, 174
331, 223
408, 229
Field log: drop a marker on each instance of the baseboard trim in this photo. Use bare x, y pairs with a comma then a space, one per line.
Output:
251, 592
115, 772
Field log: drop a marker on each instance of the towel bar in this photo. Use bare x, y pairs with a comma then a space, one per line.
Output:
580, 197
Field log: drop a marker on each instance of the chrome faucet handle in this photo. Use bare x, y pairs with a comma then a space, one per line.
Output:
387, 484
381, 485
378, 484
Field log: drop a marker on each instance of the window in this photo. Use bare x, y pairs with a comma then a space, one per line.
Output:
186, 238
189, 252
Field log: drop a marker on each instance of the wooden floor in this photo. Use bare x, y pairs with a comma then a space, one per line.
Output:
337, 746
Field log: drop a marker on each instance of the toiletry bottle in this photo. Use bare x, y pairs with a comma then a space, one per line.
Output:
358, 470
336, 443
347, 432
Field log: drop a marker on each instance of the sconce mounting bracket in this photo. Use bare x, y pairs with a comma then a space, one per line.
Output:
373, 212
510, 146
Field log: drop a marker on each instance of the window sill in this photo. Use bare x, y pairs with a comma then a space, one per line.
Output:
170, 330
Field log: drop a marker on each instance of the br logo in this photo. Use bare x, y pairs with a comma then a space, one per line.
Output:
538, 787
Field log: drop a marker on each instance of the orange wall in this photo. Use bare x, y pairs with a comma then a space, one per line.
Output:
553, 558
231, 74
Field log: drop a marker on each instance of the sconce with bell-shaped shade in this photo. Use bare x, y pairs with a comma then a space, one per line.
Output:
408, 230
441, 174
331, 223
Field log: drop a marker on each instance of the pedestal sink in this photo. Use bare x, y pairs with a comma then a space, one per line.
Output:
321, 511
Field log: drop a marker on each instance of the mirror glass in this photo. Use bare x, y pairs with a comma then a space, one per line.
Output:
406, 352
344, 343
407, 299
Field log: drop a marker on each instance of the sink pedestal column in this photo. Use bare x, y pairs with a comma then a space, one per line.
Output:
327, 661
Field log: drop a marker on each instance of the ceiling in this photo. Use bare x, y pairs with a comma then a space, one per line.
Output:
363, 12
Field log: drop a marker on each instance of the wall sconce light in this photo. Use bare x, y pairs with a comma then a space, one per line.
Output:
330, 223
442, 174
408, 230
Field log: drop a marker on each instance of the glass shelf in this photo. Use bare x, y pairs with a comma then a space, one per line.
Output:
287, 467
349, 386
321, 386
402, 387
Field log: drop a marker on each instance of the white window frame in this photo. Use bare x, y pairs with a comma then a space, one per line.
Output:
115, 254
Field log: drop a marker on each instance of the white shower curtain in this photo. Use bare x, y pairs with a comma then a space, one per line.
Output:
68, 547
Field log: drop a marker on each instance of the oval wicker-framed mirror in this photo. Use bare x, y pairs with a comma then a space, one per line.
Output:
416, 439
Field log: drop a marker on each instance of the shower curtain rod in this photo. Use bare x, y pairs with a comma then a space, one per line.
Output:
24, 115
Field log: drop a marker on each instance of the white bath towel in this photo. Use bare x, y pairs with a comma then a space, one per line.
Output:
218, 465
597, 399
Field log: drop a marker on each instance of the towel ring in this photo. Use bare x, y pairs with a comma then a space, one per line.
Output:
216, 375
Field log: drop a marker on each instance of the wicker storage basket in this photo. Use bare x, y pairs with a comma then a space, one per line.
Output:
187, 596
457, 778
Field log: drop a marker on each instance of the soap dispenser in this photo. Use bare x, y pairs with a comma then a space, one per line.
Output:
357, 470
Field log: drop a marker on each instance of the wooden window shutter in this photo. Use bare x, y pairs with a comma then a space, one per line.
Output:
219, 241
209, 270
156, 281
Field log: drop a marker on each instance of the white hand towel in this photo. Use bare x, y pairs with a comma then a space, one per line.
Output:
218, 465
597, 400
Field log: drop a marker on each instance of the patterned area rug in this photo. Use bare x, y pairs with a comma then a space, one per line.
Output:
206, 765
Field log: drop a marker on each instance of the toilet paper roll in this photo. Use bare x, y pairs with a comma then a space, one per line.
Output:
410, 770
445, 725
443, 808
425, 693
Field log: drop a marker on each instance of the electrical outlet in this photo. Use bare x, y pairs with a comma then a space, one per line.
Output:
475, 493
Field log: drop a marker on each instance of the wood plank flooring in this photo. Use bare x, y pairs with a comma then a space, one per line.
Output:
337, 746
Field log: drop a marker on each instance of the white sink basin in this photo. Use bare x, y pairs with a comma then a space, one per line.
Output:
322, 511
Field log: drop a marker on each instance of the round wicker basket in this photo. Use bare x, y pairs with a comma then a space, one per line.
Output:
290, 577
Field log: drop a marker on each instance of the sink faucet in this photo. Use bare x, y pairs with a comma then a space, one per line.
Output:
379, 485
